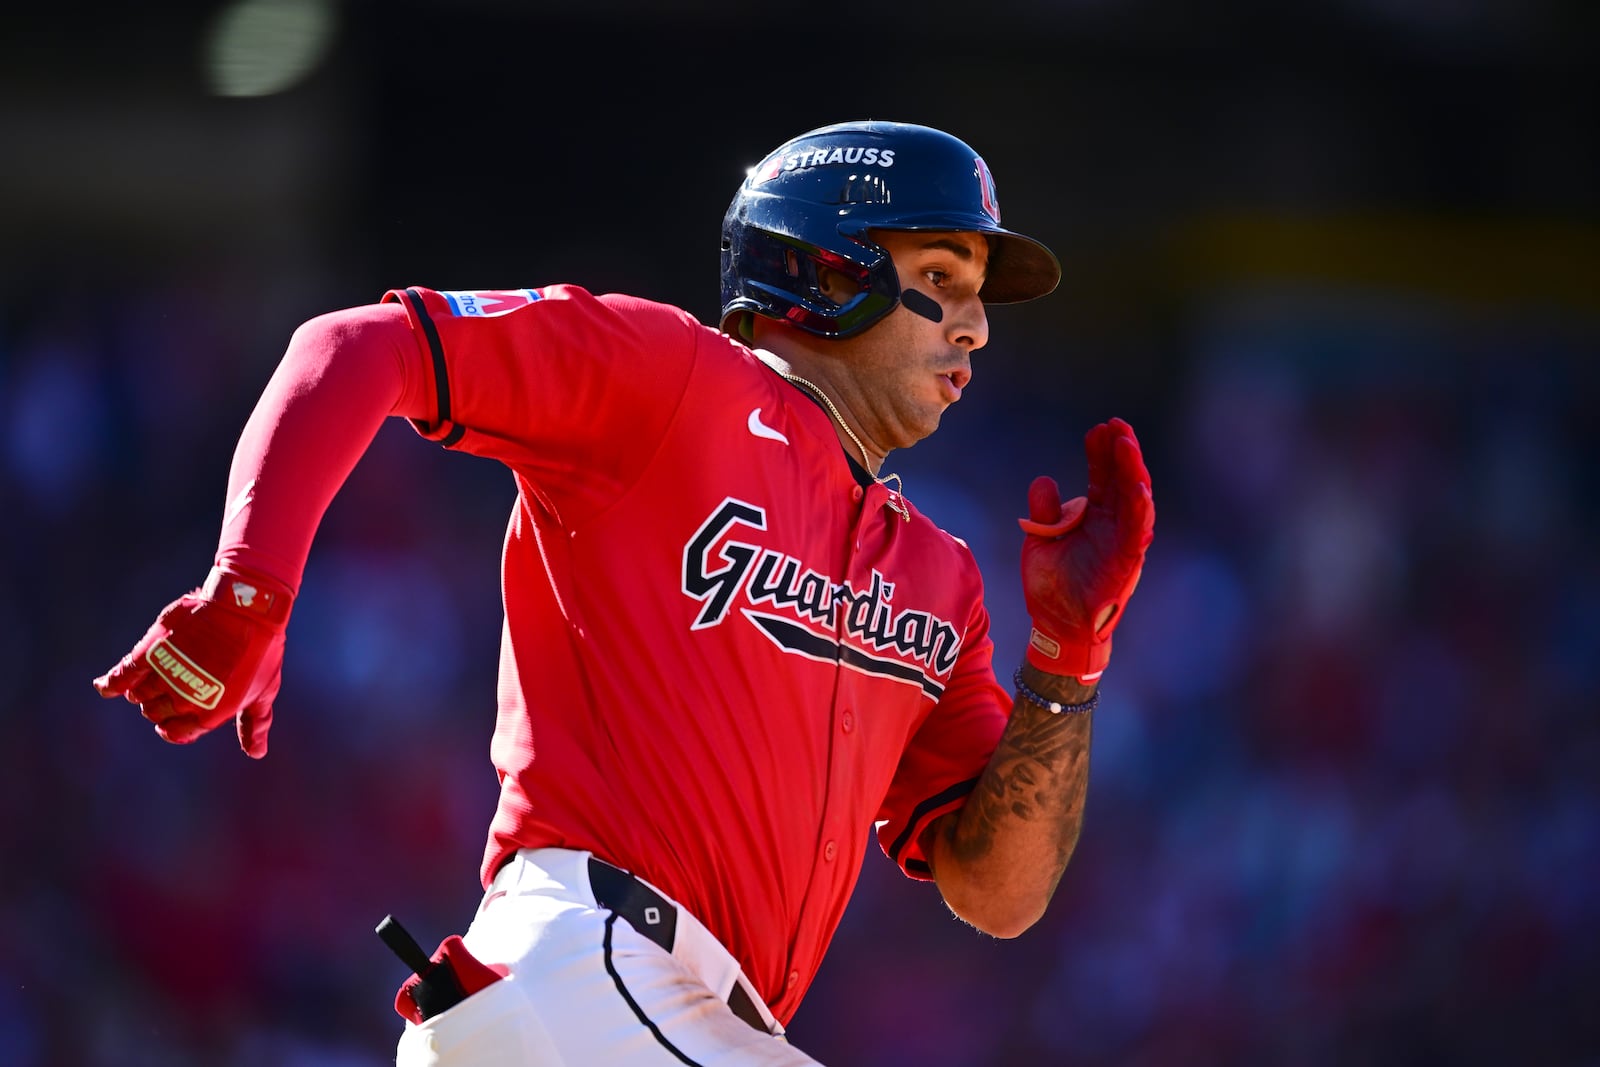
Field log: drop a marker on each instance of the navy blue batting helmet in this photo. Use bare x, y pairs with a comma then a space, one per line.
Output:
812, 202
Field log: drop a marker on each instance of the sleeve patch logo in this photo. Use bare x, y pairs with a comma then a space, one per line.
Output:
486, 303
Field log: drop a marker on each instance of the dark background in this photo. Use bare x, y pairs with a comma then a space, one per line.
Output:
1337, 262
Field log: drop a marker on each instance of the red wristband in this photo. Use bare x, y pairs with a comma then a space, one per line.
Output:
252, 593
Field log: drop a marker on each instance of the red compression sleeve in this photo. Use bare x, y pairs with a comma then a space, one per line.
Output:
342, 375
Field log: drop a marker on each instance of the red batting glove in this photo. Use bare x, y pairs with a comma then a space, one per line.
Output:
1082, 559
212, 655
452, 975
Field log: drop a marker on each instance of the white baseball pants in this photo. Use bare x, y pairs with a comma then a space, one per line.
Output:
588, 989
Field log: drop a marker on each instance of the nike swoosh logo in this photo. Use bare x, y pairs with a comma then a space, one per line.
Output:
761, 429
247, 494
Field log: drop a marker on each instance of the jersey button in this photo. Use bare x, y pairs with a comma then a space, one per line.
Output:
847, 721
829, 851
792, 980
857, 493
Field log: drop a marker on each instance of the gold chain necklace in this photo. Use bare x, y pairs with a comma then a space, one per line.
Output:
896, 493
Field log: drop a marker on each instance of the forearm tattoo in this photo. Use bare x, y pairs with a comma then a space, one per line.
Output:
1032, 791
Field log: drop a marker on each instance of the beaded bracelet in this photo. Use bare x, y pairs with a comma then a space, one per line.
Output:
1054, 707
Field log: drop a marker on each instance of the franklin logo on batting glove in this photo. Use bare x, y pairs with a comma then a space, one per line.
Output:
187, 677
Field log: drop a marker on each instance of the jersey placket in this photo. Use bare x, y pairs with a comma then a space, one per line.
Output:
870, 505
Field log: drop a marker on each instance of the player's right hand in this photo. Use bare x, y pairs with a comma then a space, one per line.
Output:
213, 655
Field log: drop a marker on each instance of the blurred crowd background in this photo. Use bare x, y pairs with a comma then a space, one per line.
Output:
1337, 262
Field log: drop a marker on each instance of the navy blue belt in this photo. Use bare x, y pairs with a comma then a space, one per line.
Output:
656, 918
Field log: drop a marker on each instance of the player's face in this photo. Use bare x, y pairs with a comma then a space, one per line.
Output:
907, 367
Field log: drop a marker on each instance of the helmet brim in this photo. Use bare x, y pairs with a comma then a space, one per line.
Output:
1020, 269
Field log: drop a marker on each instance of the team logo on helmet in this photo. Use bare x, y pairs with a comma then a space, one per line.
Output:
991, 203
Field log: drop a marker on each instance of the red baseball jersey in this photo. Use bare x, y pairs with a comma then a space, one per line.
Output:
725, 655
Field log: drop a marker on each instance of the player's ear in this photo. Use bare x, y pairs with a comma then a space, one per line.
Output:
837, 287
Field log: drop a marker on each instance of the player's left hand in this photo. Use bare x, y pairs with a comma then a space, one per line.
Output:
212, 656
1082, 559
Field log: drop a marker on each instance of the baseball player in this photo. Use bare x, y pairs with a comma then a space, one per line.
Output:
733, 647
